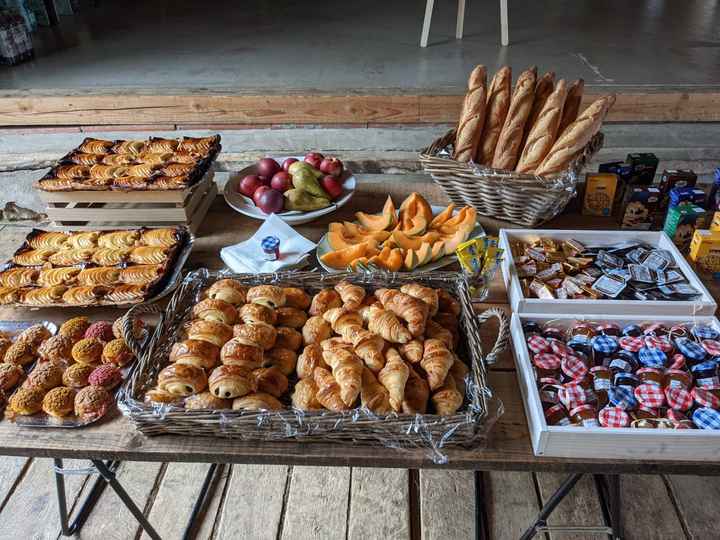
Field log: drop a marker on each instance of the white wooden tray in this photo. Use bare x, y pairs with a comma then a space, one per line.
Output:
705, 305
605, 443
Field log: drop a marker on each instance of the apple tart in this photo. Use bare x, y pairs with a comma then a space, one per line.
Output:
119, 159
83, 240
84, 295
51, 277
43, 295
10, 295
72, 171
177, 169
184, 157
56, 184
126, 294
19, 277
202, 145
142, 169
165, 237
165, 183
139, 274
108, 171
118, 239
96, 146
155, 158
102, 275
129, 147
162, 145
33, 257
48, 240
69, 257
82, 158
131, 183
110, 256
149, 255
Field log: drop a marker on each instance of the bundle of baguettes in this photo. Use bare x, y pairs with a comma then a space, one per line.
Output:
535, 128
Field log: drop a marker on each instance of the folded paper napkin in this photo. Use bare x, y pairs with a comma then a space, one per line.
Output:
248, 256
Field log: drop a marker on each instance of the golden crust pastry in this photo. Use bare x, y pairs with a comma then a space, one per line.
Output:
240, 351
72, 171
102, 275
202, 145
110, 256
34, 335
162, 145
231, 381
195, 352
117, 352
140, 273
10, 375
88, 351
249, 313
10, 295
288, 338
284, 359
143, 170
156, 158
80, 296
26, 401
76, 375
261, 334
92, 184
323, 301
213, 332
74, 328
182, 379
229, 290
59, 402
215, 310
136, 183
70, 257
163, 237
271, 380
96, 146
51, 277
149, 255
184, 157
83, 158
138, 328
160, 396
206, 400
55, 184
19, 277
92, 402
177, 169
257, 401
82, 240
20, 353
129, 147
123, 294
267, 295
48, 240
45, 376
44, 295
109, 171
297, 298
33, 257
292, 317
168, 183
118, 159
118, 239
57, 348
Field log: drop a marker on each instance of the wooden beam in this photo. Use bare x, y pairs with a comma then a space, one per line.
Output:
153, 109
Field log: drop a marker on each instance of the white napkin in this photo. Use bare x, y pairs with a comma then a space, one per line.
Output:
248, 256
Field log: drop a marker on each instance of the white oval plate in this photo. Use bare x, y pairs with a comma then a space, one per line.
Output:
323, 247
240, 203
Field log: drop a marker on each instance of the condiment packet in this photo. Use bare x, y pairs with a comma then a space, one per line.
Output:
609, 286
641, 273
607, 259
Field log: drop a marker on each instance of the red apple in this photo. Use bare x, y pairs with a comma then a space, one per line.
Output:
259, 191
332, 186
271, 201
332, 166
282, 181
314, 159
265, 180
267, 167
289, 161
249, 184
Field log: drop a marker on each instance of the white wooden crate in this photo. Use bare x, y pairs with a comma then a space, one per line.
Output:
705, 305
605, 443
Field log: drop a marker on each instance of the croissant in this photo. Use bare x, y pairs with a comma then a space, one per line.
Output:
102, 275
309, 359
284, 359
182, 379
316, 329
385, 324
206, 400
229, 382
408, 308
213, 332
48, 240
241, 352
342, 320
19, 277
250, 313
367, 345
324, 300
258, 401
447, 399
434, 330
44, 295
288, 338
347, 370
195, 352
140, 274
149, 255
118, 239
168, 237
267, 295
296, 297
351, 295
82, 240
393, 377
304, 396
110, 256
262, 334
290, 316
447, 302
436, 362
215, 310
70, 257
33, 257
374, 395
328, 394
125, 294
459, 372
229, 290
417, 394
271, 381
426, 294
412, 351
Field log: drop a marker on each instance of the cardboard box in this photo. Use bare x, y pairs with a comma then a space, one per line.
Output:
599, 194
681, 222
640, 207
705, 250
643, 167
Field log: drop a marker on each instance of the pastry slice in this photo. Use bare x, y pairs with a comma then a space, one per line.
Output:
155, 158
96, 146
33, 257
108, 171
118, 159
55, 184
125, 294
19, 277
110, 256
82, 240
165, 237
133, 183
166, 183
81, 296
81, 158
148, 255
92, 184
10, 295
177, 169
162, 145
142, 169
48, 240
184, 156
118, 239
72, 171
70, 257
202, 145
102, 275
129, 147
44, 295
51, 277
140, 274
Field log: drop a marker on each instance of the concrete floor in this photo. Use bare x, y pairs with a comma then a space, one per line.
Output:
369, 44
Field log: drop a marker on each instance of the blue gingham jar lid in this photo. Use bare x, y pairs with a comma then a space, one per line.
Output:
706, 418
651, 357
604, 344
691, 349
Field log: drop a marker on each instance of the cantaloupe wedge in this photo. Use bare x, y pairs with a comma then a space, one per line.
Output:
411, 260
337, 241
360, 260
452, 243
386, 220
424, 254
416, 205
442, 217
341, 258
402, 240
438, 250
395, 260
418, 226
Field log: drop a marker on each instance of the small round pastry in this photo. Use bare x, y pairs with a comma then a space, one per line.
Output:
182, 379
206, 400
241, 351
229, 290
74, 328
10, 375
88, 351
117, 352
259, 401
4, 345
297, 298
101, 330
271, 381
107, 376
284, 359
76, 376
20, 353
56, 349
213, 332
45, 376
257, 313
324, 300
196, 353
138, 328
291, 317
262, 334
92, 402
158, 396
288, 338
59, 402
34, 335
215, 310
26, 401
229, 382
267, 295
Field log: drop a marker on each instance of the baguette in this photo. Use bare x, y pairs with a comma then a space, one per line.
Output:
544, 87
469, 130
544, 132
572, 105
508, 145
575, 137
498, 103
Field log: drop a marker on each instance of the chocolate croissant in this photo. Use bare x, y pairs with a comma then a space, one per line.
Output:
228, 290
205, 400
283, 359
213, 332
288, 338
182, 379
271, 381
215, 310
48, 240
229, 382
267, 295
258, 401
291, 317
195, 352
261, 334
241, 351
296, 298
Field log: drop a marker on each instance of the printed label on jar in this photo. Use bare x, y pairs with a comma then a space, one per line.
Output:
549, 396
674, 383
564, 421
619, 363
709, 382
601, 384
590, 422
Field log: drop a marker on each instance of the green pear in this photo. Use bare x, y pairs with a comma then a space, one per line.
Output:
304, 180
298, 166
298, 199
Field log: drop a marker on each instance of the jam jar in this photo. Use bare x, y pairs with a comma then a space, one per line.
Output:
677, 378
706, 374
651, 375
585, 416
557, 416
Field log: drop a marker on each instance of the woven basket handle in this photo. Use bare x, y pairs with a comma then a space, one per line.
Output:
503, 337
128, 325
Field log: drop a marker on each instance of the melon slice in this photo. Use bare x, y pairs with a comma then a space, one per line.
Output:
452, 243
416, 205
341, 258
402, 240
411, 259
359, 261
337, 241
442, 217
418, 226
386, 220
424, 254
395, 260
438, 250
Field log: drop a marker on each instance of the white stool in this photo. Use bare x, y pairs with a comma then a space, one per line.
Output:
460, 23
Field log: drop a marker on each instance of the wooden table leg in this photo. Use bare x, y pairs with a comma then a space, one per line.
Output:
426, 23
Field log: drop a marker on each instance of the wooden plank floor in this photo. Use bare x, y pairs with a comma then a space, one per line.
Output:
279, 502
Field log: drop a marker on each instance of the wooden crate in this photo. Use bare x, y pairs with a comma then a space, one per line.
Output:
90, 210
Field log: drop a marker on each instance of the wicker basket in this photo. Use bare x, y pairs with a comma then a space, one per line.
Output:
469, 426
525, 199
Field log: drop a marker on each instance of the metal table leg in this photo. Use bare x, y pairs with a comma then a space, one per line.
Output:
609, 487
482, 527
550, 505
200, 501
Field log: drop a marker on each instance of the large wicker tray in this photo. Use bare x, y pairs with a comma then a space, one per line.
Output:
468, 427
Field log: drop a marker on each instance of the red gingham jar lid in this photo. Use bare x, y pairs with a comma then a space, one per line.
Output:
632, 344
574, 367
547, 361
677, 361
705, 398
649, 395
613, 417
538, 344
659, 342
678, 399
544, 381
559, 348
711, 346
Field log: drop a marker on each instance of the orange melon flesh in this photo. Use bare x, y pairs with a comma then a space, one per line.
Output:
418, 226
341, 258
438, 250
443, 216
395, 260
424, 254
